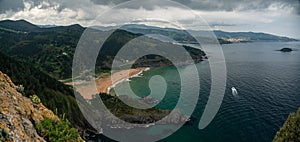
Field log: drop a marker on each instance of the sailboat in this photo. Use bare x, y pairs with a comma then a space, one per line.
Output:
234, 91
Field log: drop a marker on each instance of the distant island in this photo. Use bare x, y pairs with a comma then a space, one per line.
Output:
286, 49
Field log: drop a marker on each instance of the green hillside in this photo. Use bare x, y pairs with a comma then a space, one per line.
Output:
53, 94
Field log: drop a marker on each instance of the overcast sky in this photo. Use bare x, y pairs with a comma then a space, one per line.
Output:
280, 17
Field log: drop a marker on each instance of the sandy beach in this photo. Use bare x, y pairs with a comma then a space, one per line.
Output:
104, 84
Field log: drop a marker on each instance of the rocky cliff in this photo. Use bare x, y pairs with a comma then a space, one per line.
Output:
290, 131
19, 114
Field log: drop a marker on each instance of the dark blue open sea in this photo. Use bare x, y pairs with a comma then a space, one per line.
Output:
268, 84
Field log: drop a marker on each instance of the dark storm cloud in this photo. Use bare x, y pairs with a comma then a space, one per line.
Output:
151, 4
222, 5
219, 5
13, 5
107, 2
298, 7
221, 25
204, 5
238, 5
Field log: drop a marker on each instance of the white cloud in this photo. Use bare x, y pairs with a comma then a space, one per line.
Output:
46, 13
272, 18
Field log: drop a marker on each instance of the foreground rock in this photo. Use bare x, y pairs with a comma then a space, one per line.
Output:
18, 114
290, 131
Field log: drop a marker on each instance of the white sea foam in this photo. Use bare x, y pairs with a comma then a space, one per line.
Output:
126, 79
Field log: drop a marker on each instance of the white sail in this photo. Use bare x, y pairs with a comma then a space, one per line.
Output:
234, 91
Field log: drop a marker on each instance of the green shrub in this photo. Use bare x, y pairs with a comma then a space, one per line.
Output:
20, 88
3, 135
57, 131
2, 85
35, 99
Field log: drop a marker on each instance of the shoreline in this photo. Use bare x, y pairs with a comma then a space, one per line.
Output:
104, 85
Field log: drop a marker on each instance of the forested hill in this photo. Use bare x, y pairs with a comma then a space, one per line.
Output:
47, 49
51, 50
223, 37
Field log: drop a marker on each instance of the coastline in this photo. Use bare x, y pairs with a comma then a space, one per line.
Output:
104, 85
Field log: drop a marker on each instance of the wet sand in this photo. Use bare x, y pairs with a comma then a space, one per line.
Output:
104, 84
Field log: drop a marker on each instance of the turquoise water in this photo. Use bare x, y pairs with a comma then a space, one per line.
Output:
268, 82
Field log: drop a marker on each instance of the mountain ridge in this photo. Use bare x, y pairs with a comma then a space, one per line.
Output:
29, 27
